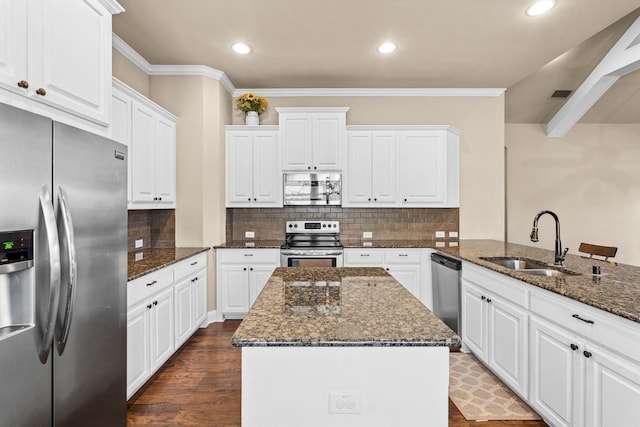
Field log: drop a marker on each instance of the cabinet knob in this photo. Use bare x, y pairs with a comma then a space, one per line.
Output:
587, 354
155, 303
375, 199
482, 297
387, 268
308, 167
40, 91
315, 167
405, 200
249, 199
159, 198
369, 199
149, 306
251, 269
23, 84
255, 199
244, 269
489, 300
574, 347
195, 279
155, 199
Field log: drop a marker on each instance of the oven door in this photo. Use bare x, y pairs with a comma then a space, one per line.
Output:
311, 258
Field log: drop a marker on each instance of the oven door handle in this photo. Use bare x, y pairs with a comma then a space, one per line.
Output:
309, 252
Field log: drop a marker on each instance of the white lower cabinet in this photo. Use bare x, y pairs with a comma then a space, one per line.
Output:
241, 275
161, 316
575, 380
574, 364
495, 328
406, 265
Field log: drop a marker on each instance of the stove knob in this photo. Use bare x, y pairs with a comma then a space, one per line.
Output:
324, 225
295, 225
290, 225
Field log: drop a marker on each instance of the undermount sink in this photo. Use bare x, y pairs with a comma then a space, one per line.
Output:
529, 266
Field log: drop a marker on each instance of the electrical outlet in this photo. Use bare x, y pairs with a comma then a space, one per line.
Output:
439, 244
249, 234
439, 234
453, 234
139, 256
367, 235
139, 243
453, 244
348, 402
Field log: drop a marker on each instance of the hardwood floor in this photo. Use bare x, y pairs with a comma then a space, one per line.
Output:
200, 386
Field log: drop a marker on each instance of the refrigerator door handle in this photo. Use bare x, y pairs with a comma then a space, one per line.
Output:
72, 271
51, 234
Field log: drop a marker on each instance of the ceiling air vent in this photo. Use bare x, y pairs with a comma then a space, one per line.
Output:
561, 94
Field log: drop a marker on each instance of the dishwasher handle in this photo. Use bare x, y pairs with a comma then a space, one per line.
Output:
452, 263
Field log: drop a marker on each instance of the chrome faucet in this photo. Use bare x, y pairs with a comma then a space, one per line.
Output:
560, 254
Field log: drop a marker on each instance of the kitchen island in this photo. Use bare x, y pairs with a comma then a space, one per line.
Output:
342, 347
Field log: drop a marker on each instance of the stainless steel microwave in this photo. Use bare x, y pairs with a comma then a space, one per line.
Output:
317, 189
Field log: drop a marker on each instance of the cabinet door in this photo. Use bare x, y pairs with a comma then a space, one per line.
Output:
235, 289
239, 168
162, 329
556, 374
508, 344
383, 161
258, 276
421, 167
296, 142
612, 390
267, 179
13, 44
138, 358
408, 276
358, 175
200, 299
165, 160
474, 320
328, 131
184, 315
70, 56
142, 154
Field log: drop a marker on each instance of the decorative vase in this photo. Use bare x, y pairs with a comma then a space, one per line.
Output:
252, 118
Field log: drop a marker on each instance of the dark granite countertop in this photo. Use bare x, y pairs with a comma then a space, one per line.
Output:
155, 259
339, 307
250, 243
617, 290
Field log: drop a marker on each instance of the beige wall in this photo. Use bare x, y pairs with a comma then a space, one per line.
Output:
589, 178
481, 145
129, 73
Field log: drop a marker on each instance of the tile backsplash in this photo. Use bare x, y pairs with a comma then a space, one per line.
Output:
385, 223
157, 228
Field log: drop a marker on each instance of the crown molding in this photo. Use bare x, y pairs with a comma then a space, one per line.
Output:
383, 92
170, 70
202, 70
112, 6
370, 128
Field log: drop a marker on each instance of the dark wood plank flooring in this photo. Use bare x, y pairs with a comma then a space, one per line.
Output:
200, 386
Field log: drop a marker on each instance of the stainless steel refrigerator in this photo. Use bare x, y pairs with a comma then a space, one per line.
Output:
63, 272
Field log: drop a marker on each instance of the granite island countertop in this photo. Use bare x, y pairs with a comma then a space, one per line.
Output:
339, 307
146, 261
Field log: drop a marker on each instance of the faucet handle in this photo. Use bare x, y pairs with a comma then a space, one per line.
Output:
564, 253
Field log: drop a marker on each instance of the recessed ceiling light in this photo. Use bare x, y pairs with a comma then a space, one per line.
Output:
541, 7
387, 47
241, 48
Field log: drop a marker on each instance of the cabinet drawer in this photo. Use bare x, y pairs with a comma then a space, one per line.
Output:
147, 285
614, 332
498, 284
363, 257
249, 256
402, 257
189, 266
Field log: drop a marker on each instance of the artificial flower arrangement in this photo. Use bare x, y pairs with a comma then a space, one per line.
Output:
251, 102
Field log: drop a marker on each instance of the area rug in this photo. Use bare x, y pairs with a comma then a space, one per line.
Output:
480, 395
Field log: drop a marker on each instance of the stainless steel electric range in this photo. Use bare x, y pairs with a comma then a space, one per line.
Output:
312, 244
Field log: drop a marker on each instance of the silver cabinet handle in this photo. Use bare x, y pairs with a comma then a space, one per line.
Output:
72, 270
51, 234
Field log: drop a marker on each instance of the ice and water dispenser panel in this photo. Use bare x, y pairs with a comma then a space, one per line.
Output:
16, 281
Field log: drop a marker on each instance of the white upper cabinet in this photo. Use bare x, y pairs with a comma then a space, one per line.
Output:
253, 176
150, 133
57, 54
312, 138
401, 166
370, 173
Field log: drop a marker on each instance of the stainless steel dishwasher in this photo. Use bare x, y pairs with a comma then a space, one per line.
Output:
445, 280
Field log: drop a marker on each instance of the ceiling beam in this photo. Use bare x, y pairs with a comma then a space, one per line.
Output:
623, 58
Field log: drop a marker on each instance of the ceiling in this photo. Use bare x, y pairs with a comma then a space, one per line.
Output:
441, 44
